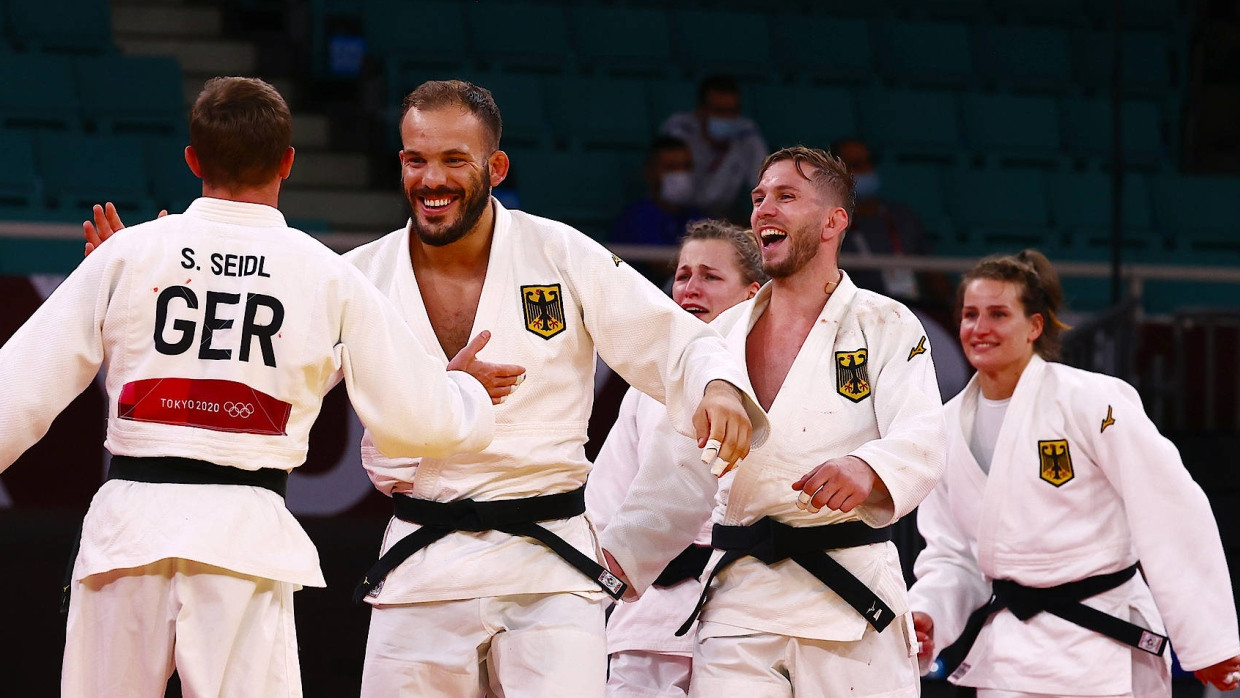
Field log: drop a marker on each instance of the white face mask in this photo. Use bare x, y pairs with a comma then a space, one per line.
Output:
676, 188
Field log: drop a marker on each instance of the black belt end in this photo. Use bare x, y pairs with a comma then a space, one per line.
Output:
363, 588
612, 584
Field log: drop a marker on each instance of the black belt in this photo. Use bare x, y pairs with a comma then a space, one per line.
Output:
518, 517
771, 541
1063, 601
689, 564
183, 471
187, 471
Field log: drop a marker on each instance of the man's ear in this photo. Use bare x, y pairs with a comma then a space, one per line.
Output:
191, 159
499, 164
286, 162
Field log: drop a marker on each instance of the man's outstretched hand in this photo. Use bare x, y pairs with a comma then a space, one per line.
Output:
106, 222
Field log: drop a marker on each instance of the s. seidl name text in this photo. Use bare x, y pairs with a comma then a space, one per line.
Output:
228, 264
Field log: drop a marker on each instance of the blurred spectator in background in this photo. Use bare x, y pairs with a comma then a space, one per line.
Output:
884, 227
660, 217
727, 148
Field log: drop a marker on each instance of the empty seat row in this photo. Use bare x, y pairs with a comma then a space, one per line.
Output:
1071, 212
60, 174
907, 124
65, 26
110, 92
655, 40
1155, 14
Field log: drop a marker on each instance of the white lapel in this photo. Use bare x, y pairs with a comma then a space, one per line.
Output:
1004, 476
408, 298
497, 285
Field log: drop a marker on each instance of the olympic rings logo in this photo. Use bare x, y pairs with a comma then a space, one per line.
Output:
242, 410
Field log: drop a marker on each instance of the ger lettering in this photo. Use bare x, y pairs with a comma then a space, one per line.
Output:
185, 328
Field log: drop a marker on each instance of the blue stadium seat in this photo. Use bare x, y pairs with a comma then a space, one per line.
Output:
1161, 15
503, 34
1147, 62
814, 116
623, 39
21, 188
1002, 208
70, 26
1087, 131
131, 93
670, 96
39, 91
841, 53
921, 188
428, 32
926, 53
520, 100
1200, 214
874, 9
911, 124
585, 190
79, 170
1025, 58
1060, 13
172, 183
968, 10
1081, 213
723, 42
1013, 129
604, 112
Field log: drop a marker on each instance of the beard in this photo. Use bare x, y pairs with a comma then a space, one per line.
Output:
802, 248
474, 200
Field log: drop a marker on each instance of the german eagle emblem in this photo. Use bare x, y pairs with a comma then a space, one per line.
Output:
544, 310
1056, 461
852, 378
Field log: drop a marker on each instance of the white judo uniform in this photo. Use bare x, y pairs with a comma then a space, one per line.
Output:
1081, 484
890, 416
648, 659
221, 329
551, 298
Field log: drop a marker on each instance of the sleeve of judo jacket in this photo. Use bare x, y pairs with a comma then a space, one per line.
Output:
949, 585
55, 354
616, 464
649, 340
410, 404
908, 455
666, 505
1173, 529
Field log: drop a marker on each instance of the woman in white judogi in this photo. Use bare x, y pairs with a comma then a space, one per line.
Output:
719, 266
1056, 475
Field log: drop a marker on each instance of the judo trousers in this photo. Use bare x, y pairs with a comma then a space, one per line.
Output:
518, 646
762, 665
227, 635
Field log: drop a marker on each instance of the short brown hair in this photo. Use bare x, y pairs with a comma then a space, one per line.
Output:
1040, 292
240, 129
434, 94
748, 256
830, 174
